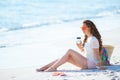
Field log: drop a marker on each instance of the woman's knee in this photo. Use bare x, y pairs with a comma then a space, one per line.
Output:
70, 50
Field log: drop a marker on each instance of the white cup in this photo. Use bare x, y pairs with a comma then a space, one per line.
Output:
78, 39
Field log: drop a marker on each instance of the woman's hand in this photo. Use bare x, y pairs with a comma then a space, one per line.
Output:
79, 45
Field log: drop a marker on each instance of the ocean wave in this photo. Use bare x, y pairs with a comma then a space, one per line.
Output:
52, 22
118, 11
111, 11
105, 13
47, 23
3, 29
45, 13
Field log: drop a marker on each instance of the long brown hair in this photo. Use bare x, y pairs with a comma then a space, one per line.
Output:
94, 32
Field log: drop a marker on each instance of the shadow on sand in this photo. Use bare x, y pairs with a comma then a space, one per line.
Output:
115, 68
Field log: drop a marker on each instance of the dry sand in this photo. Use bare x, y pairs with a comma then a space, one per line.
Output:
71, 72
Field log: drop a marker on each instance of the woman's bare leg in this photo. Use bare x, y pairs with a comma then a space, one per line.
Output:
72, 57
46, 66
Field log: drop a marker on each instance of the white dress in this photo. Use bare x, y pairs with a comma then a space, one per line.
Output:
92, 43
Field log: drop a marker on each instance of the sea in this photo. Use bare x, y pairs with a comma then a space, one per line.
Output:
22, 14
26, 22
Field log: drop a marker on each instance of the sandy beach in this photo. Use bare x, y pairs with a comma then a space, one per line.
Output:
112, 73
71, 72
36, 32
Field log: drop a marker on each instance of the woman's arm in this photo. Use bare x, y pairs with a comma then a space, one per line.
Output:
80, 46
98, 59
97, 56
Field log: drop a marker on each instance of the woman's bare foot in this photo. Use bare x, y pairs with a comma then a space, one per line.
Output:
41, 69
51, 69
46, 66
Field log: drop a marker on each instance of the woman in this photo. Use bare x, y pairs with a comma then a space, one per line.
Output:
92, 46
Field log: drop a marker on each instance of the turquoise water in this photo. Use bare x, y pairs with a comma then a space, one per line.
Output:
22, 14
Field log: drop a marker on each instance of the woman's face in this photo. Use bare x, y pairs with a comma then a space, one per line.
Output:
85, 29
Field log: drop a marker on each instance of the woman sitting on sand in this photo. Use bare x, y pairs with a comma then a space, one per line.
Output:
92, 46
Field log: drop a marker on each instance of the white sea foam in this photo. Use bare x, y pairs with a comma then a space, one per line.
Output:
3, 29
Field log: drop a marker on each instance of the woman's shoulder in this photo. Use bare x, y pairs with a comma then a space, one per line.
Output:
93, 38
